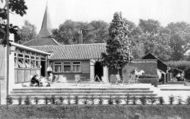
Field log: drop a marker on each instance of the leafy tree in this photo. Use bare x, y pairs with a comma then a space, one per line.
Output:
15, 6
118, 44
179, 39
26, 33
71, 32
155, 39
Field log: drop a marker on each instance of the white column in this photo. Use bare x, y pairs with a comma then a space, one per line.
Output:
105, 74
92, 62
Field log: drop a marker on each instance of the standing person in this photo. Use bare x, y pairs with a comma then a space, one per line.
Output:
49, 70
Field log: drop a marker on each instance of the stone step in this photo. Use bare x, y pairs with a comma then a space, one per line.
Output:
81, 95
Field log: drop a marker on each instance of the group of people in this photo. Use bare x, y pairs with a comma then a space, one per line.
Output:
39, 81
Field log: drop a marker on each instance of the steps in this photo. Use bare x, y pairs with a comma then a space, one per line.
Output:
115, 91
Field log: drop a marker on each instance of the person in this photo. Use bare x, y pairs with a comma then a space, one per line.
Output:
34, 81
49, 70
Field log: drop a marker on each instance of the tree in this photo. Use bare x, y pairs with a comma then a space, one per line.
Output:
15, 6
118, 44
26, 33
155, 39
179, 39
70, 32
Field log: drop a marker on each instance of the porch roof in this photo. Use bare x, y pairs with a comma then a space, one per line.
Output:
74, 51
29, 48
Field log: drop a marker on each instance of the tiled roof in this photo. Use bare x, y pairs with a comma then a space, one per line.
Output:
75, 51
40, 41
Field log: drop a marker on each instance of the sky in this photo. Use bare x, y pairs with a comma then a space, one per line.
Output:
165, 11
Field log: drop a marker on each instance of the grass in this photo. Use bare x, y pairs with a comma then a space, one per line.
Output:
95, 111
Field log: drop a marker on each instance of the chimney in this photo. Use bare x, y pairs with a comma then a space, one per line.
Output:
80, 37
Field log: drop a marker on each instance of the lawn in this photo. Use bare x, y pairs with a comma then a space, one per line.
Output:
95, 112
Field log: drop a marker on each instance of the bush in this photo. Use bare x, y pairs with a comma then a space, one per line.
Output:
36, 100
127, 99
52, 99
76, 100
20, 100
69, 100
179, 101
188, 100
9, 100
143, 100
100, 100
92, 99
171, 100
61, 99
110, 101
161, 100
46, 100
152, 100
117, 100
134, 100
27, 100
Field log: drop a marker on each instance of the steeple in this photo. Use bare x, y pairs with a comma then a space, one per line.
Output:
46, 25
44, 36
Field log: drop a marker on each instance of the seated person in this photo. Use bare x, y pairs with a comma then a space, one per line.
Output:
34, 81
44, 82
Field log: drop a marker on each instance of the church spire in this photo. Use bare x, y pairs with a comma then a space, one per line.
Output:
45, 30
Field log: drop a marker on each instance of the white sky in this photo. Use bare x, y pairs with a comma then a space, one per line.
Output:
165, 11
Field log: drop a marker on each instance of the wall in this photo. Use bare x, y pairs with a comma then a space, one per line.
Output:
84, 74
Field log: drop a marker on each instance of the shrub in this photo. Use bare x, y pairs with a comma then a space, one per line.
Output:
46, 100
179, 101
52, 99
152, 100
143, 100
100, 100
69, 100
188, 100
92, 99
20, 100
161, 100
61, 99
134, 100
85, 99
110, 101
9, 100
127, 99
27, 100
76, 100
117, 100
36, 100
171, 100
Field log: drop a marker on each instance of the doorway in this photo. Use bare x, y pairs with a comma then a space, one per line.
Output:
43, 68
98, 71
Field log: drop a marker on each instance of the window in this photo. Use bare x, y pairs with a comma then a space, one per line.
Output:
76, 67
27, 61
57, 66
67, 66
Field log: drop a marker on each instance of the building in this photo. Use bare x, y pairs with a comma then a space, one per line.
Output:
70, 61
23, 63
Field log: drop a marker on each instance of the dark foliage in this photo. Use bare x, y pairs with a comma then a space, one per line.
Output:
9, 100
20, 100
36, 100
27, 100
143, 100
171, 100
161, 100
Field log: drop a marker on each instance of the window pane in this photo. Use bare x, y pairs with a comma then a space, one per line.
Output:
76, 68
57, 68
67, 68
